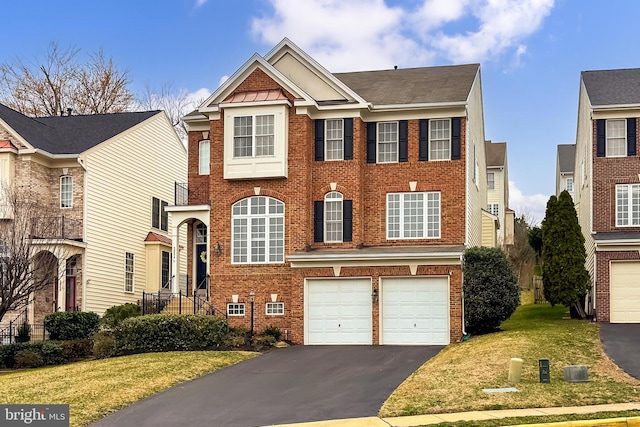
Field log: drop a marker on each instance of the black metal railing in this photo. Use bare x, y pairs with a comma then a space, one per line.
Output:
56, 227
195, 193
166, 302
19, 330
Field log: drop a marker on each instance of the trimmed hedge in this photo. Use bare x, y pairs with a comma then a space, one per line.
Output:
165, 332
36, 354
116, 314
71, 325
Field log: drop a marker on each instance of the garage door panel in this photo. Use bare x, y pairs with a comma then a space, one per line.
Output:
624, 287
339, 311
415, 310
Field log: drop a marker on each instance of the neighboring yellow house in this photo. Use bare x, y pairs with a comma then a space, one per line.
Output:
104, 181
498, 195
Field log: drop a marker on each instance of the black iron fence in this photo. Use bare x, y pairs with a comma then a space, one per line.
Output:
167, 302
195, 193
56, 227
15, 331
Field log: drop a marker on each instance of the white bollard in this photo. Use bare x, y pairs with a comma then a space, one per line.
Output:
515, 370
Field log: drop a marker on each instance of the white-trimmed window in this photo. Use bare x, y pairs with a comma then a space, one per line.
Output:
159, 215
254, 136
491, 180
333, 217
204, 154
569, 185
387, 142
165, 270
275, 309
235, 309
201, 233
616, 138
257, 230
628, 205
440, 139
494, 208
66, 191
128, 271
413, 215
334, 139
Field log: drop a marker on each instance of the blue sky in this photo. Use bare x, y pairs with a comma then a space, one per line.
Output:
531, 52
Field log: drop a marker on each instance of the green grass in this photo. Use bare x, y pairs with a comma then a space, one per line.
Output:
515, 421
453, 380
96, 388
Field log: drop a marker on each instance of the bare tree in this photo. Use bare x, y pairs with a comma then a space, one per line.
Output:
26, 267
521, 255
47, 86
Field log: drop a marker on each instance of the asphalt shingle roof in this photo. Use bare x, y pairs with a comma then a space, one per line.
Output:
566, 157
70, 134
443, 84
496, 153
613, 87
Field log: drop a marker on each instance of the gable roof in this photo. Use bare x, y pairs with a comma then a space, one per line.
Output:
496, 153
612, 87
70, 134
432, 85
566, 157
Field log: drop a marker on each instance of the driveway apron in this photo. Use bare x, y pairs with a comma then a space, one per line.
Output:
291, 385
621, 342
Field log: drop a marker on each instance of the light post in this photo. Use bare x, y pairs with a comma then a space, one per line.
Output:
252, 297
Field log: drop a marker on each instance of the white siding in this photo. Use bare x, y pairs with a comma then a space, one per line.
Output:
497, 195
306, 78
123, 175
476, 194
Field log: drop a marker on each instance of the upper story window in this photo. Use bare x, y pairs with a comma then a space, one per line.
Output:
66, 191
333, 217
569, 185
387, 142
334, 139
440, 139
204, 153
628, 205
494, 208
413, 215
253, 136
128, 272
491, 180
616, 138
159, 215
257, 231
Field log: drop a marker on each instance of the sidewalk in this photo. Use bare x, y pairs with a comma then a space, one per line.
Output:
424, 420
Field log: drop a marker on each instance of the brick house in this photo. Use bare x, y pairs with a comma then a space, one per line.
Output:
607, 190
102, 182
336, 207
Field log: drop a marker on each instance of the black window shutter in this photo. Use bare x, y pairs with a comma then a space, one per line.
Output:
318, 221
631, 137
348, 139
319, 140
164, 216
403, 141
423, 140
455, 138
371, 142
347, 220
155, 214
601, 137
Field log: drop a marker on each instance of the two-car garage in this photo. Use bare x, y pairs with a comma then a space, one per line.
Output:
412, 310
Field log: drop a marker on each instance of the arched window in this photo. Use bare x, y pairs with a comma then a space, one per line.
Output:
333, 217
204, 157
257, 231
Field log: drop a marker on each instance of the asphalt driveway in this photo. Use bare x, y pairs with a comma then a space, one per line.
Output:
621, 342
291, 385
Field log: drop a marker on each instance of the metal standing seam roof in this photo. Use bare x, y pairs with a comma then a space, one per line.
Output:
612, 87
496, 153
566, 157
71, 134
426, 85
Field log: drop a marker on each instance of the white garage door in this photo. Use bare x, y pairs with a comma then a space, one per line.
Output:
338, 311
624, 282
415, 310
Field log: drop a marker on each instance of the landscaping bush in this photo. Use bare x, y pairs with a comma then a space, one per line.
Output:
24, 333
491, 293
104, 344
163, 332
116, 314
262, 342
237, 337
71, 325
8, 354
77, 349
28, 359
272, 331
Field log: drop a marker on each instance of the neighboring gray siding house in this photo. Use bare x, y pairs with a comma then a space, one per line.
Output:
565, 164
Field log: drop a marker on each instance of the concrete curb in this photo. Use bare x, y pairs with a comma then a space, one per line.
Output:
610, 422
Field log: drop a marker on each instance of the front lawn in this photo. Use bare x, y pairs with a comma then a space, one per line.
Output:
453, 380
96, 388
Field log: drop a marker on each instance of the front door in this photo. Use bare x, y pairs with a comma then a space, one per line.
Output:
70, 293
201, 259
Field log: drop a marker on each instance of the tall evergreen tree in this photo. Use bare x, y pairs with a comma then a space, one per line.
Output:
564, 275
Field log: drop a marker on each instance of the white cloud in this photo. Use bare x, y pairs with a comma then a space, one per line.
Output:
532, 206
194, 99
369, 34
200, 3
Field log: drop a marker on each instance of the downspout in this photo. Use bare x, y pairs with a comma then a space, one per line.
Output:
84, 233
464, 332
